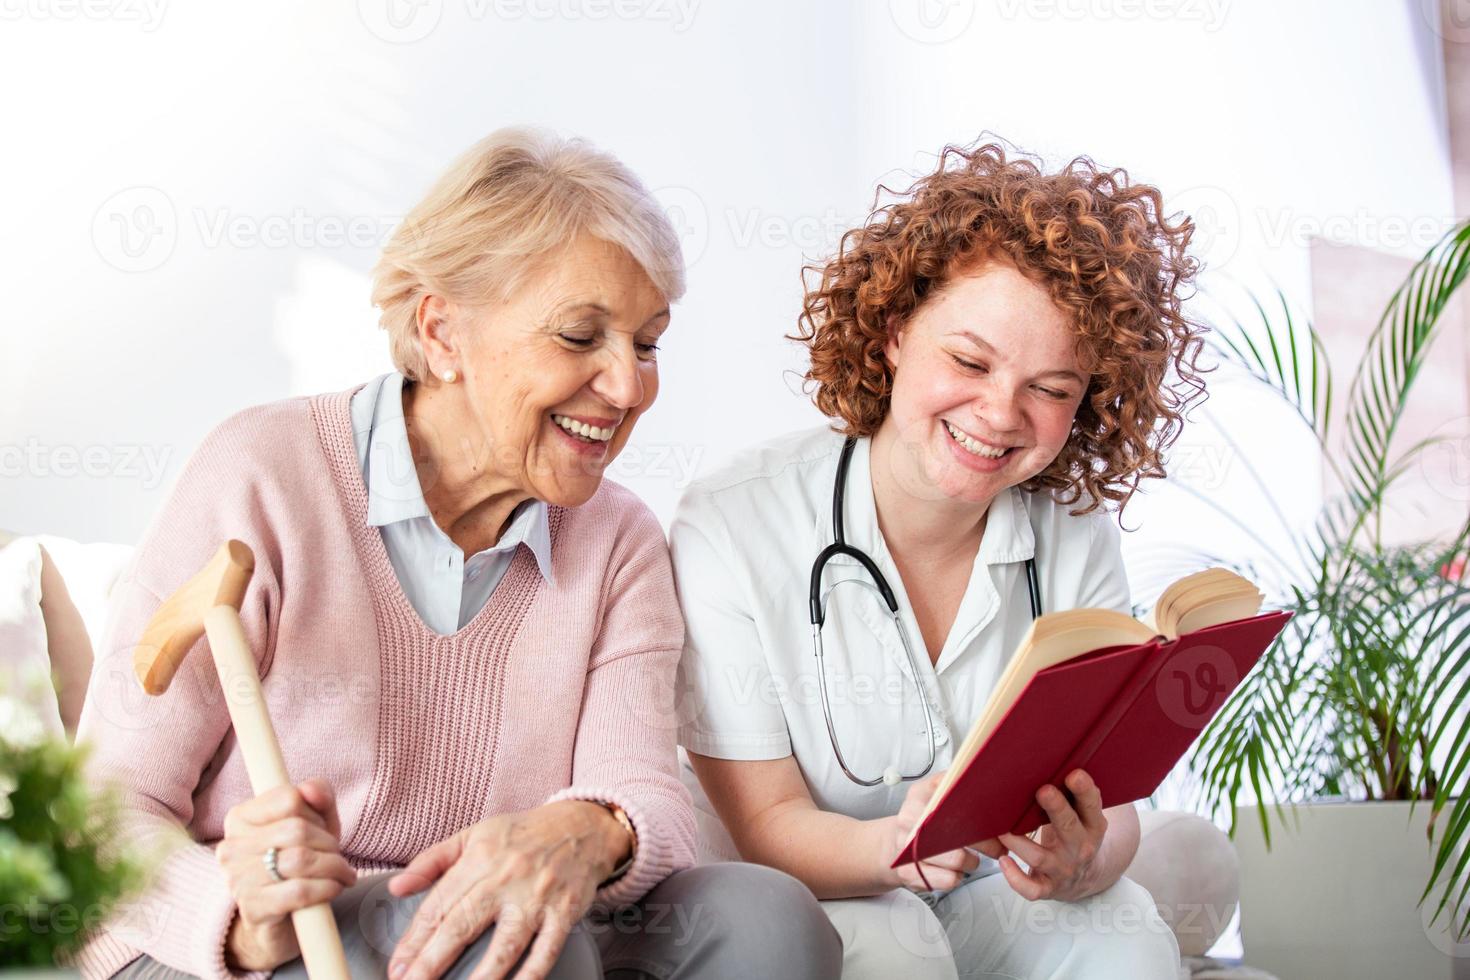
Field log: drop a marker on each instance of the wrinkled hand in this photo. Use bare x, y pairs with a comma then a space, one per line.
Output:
531, 874
942, 870
301, 822
1062, 856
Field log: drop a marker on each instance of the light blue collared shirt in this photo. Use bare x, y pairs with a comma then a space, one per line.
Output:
444, 587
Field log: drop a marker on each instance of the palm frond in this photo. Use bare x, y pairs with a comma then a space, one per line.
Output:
1364, 692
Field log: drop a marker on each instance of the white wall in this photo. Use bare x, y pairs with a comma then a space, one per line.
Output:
235, 146
177, 180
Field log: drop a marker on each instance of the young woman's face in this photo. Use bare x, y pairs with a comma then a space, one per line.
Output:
559, 374
986, 385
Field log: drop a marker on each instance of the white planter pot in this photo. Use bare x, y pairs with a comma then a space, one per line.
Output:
1336, 896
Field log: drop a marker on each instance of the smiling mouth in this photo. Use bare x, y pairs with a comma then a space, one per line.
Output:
974, 446
583, 431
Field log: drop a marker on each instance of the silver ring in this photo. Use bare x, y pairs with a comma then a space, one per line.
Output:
269, 857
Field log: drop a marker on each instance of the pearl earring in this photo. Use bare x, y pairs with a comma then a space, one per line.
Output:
451, 376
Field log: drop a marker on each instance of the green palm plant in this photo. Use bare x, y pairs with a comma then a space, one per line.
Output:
1363, 694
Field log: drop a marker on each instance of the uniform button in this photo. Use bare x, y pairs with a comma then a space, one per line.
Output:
941, 736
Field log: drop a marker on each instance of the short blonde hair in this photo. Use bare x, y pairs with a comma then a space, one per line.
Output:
512, 198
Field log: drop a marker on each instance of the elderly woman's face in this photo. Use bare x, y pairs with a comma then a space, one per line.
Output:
558, 375
986, 383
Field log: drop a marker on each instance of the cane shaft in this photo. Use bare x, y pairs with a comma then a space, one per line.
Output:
316, 929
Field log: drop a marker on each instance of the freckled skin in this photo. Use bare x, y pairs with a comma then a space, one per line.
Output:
1004, 395
931, 497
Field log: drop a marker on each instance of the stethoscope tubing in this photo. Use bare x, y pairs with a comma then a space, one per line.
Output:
818, 611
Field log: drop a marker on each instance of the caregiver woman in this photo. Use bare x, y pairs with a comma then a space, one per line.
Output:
995, 342
457, 620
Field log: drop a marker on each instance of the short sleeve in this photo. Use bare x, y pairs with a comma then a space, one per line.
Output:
728, 705
1104, 579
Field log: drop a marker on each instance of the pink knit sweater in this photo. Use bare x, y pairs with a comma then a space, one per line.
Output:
550, 692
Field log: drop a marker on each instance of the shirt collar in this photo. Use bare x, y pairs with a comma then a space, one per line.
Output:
1008, 536
394, 492
532, 527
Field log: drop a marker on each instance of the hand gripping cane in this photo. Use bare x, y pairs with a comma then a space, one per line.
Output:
210, 603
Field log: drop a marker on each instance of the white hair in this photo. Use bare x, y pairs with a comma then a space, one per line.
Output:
512, 198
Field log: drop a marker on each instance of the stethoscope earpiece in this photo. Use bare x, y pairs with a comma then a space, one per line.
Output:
891, 776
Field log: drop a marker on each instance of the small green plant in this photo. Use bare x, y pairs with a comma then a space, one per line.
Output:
61, 868
1363, 695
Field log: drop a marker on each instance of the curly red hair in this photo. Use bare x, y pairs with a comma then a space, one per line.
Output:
1102, 247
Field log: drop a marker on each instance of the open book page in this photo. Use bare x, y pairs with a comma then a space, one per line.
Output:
1205, 598
1054, 638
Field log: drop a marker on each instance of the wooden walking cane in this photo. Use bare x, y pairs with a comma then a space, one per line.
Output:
210, 603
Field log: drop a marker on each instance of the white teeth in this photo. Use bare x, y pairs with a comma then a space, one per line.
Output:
591, 433
973, 446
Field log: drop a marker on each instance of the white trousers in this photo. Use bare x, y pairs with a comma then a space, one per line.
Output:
983, 929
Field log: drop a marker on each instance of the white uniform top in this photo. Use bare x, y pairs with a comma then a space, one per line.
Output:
743, 542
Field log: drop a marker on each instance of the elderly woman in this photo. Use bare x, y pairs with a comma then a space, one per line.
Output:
993, 346
464, 633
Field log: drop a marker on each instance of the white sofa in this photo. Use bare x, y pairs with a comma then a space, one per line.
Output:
54, 597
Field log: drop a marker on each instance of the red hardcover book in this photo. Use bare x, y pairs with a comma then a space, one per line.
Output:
1124, 712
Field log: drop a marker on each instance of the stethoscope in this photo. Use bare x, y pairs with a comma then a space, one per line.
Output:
879, 585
